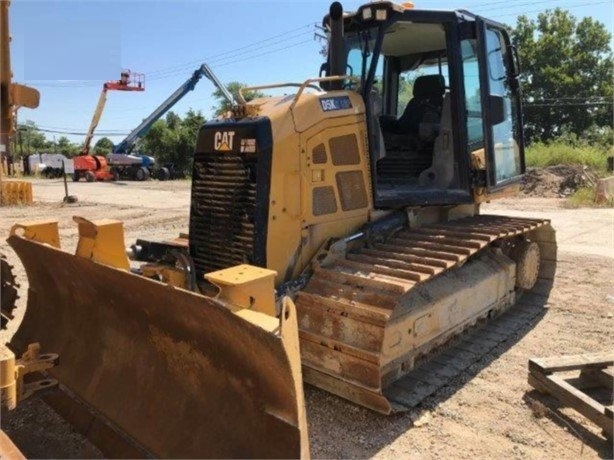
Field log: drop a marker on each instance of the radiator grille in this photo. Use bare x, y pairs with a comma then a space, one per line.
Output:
222, 214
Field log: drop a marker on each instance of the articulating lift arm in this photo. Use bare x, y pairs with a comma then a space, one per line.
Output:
128, 144
213, 78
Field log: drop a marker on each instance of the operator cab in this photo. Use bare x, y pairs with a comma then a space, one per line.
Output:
442, 102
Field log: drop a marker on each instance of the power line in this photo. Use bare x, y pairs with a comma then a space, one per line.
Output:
222, 58
516, 5
217, 57
224, 61
69, 132
567, 7
263, 54
70, 129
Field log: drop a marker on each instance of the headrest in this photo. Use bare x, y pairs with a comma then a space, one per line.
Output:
428, 86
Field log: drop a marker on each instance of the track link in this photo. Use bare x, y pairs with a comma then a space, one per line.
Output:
464, 351
367, 320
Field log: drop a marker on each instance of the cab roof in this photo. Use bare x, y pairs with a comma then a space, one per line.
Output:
386, 12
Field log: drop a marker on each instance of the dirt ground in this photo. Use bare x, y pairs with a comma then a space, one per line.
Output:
485, 413
557, 181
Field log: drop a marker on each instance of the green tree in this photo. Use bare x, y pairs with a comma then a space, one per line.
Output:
193, 121
157, 142
223, 105
103, 146
173, 139
29, 137
567, 75
66, 147
173, 120
188, 135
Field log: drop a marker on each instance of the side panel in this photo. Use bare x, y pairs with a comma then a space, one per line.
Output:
335, 182
284, 201
320, 180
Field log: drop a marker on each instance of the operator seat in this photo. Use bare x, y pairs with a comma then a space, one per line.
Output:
425, 106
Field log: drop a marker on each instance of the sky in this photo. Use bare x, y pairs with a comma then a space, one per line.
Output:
68, 48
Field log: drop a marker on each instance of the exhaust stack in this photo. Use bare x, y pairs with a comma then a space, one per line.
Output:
336, 45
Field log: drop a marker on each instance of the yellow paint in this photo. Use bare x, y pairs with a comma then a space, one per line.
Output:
24, 96
246, 286
481, 195
102, 241
41, 231
478, 159
12, 387
12, 97
8, 383
298, 124
14, 192
169, 275
289, 337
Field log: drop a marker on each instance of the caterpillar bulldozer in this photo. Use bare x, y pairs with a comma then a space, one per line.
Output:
344, 217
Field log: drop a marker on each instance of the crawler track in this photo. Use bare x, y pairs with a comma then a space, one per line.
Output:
352, 310
463, 351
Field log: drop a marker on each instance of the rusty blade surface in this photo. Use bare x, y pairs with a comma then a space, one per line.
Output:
177, 372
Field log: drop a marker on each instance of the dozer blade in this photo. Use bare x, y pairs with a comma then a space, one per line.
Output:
178, 373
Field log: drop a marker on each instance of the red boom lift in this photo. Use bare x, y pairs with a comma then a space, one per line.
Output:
94, 167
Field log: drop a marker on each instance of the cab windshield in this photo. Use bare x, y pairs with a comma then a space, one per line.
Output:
360, 54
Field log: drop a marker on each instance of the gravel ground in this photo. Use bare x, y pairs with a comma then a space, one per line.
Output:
484, 413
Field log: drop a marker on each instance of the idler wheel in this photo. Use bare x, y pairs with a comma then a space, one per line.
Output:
526, 254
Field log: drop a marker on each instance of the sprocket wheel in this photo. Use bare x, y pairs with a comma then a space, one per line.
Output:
8, 292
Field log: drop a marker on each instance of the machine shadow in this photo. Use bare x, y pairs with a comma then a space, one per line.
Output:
367, 431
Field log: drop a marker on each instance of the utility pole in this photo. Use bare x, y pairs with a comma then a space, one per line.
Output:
19, 131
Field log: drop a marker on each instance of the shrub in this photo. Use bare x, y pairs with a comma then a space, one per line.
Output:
561, 153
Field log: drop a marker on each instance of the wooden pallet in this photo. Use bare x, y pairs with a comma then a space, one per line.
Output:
596, 373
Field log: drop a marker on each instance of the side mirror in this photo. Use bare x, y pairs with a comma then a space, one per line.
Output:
496, 106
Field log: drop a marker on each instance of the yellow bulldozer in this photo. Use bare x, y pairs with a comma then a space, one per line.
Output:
342, 220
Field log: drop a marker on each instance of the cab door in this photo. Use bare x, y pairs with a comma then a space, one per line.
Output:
500, 100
